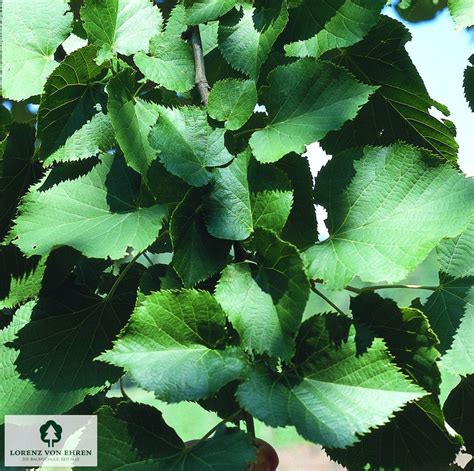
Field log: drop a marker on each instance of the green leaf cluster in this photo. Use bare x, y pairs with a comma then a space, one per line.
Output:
158, 221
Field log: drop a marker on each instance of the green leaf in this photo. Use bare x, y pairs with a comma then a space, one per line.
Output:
209, 33
388, 208
459, 359
400, 108
95, 136
246, 36
270, 209
415, 439
455, 256
174, 346
72, 96
166, 187
138, 436
196, 254
176, 24
47, 352
170, 63
188, 145
445, 308
98, 214
246, 195
460, 413
20, 277
469, 83
305, 92
228, 450
301, 227
462, 12
17, 171
141, 439
337, 24
232, 101
450, 308
229, 214
120, 26
407, 334
201, 11
265, 302
132, 119
31, 35
336, 397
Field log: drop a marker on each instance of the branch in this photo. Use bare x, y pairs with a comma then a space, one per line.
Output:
201, 80
365, 289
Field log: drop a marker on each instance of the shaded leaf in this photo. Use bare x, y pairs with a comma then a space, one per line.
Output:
416, 439
196, 254
460, 413
450, 308
96, 135
229, 214
72, 96
469, 83
20, 277
143, 440
301, 227
17, 171
448, 305
400, 108
407, 334
47, 352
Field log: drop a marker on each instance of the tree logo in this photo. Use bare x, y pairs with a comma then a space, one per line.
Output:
51, 433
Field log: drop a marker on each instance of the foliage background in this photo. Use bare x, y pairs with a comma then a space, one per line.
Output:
457, 61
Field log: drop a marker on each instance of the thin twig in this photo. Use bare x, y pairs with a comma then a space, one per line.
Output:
148, 259
122, 389
323, 296
201, 80
230, 418
365, 289
121, 276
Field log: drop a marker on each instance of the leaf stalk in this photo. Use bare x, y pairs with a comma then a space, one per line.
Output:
323, 296
366, 289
